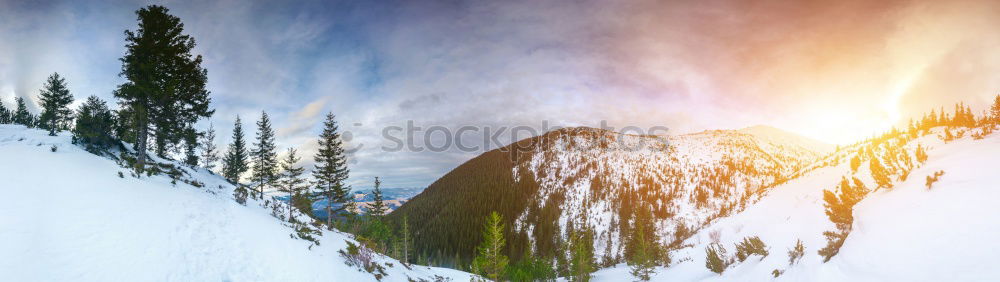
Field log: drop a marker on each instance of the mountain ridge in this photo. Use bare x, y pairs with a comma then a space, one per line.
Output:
711, 172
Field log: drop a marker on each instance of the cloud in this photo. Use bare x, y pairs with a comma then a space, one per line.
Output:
687, 65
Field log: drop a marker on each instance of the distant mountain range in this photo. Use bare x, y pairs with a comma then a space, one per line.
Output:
393, 197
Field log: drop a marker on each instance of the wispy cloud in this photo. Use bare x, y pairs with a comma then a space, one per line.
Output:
688, 65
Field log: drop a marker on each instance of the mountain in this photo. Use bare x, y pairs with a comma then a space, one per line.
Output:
393, 198
909, 232
779, 136
74, 216
567, 179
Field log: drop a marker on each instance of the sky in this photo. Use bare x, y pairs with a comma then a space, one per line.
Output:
836, 71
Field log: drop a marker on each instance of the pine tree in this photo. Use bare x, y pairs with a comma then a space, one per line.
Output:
94, 125
880, 174
995, 110
264, 158
582, 262
840, 210
855, 163
290, 179
406, 242
21, 114
5, 114
378, 209
715, 258
209, 152
644, 251
191, 137
55, 99
491, 262
331, 169
234, 164
164, 93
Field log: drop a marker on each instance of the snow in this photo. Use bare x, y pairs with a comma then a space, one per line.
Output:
70, 217
907, 233
669, 175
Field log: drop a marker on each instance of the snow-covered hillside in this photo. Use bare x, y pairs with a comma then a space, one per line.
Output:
906, 233
598, 178
69, 216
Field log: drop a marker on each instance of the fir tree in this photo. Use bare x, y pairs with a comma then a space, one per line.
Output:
55, 99
642, 249
531, 267
264, 157
855, 163
234, 164
21, 114
642, 260
582, 262
290, 180
164, 93
94, 125
995, 110
880, 174
378, 209
750, 246
840, 210
331, 169
209, 152
5, 114
191, 137
491, 262
406, 242
715, 258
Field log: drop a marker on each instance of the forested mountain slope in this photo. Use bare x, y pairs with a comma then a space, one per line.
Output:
589, 179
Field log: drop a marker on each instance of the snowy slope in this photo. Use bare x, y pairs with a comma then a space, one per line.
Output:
907, 233
68, 216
